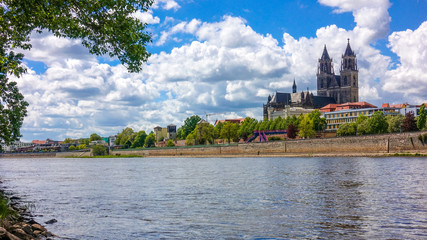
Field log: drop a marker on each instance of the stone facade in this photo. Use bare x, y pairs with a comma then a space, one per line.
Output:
344, 87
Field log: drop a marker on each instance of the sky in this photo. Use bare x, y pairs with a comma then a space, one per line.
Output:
224, 58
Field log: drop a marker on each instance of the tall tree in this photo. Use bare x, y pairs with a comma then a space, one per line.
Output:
230, 131
394, 123
378, 123
94, 137
13, 107
421, 120
204, 133
189, 125
124, 136
409, 124
139, 139
150, 141
318, 122
306, 127
105, 27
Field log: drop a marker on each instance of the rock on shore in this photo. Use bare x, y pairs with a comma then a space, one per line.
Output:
23, 231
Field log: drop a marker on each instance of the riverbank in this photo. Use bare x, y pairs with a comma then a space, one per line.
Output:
16, 221
386, 145
356, 146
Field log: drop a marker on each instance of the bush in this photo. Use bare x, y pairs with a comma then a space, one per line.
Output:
346, 129
274, 138
5, 211
81, 147
170, 143
292, 131
99, 150
72, 148
423, 138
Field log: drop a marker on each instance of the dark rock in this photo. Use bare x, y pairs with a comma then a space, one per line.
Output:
2, 232
36, 226
10, 236
21, 234
14, 198
51, 221
27, 229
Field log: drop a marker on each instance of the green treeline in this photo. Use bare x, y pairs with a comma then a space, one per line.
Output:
379, 123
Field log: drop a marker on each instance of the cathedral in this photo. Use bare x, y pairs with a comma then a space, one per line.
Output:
344, 87
331, 88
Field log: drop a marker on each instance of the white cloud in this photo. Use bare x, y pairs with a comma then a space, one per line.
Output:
146, 17
228, 67
410, 76
371, 16
166, 4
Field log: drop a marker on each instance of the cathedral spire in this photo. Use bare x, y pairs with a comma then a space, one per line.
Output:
325, 55
294, 87
348, 51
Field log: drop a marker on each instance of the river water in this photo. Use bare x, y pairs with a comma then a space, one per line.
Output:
223, 198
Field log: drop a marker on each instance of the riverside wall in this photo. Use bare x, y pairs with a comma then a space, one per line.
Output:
352, 146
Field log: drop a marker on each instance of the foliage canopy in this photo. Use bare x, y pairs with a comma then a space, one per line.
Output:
104, 27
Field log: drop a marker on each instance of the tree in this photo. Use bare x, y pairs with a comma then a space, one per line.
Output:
363, 127
105, 27
94, 137
394, 123
377, 123
230, 131
124, 136
81, 146
84, 141
217, 132
189, 125
347, 129
409, 124
292, 131
68, 140
98, 150
361, 118
139, 139
318, 122
150, 140
170, 143
306, 127
421, 121
13, 108
191, 139
204, 133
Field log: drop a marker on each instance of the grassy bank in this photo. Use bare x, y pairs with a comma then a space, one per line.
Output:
6, 212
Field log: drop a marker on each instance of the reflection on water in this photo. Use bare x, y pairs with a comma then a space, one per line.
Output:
279, 198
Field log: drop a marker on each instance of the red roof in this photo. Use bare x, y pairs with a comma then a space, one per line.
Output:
235, 120
348, 105
401, 105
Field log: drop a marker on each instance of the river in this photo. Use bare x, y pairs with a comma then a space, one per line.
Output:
219, 198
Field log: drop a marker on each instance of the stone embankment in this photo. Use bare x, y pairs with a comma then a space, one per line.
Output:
20, 225
371, 145
24, 231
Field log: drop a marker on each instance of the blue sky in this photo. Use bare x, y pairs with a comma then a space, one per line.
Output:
223, 57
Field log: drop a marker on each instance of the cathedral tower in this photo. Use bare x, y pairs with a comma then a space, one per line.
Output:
349, 75
344, 87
